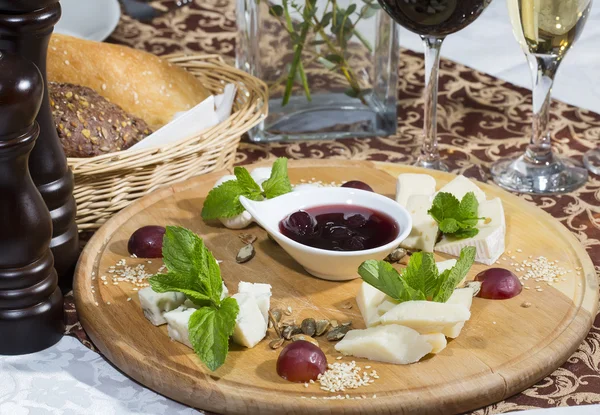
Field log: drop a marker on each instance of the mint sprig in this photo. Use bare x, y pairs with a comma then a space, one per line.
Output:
420, 280
194, 271
456, 218
224, 201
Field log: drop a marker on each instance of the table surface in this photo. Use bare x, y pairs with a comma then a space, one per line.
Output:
482, 118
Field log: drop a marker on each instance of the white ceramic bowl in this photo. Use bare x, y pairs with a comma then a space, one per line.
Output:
89, 19
328, 265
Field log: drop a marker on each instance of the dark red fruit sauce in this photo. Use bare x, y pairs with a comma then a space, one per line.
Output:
340, 228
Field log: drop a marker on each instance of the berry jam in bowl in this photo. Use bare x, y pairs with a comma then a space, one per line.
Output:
331, 231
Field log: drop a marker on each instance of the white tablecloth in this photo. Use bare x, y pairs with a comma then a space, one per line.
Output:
70, 379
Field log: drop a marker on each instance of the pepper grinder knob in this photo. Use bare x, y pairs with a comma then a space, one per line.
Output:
31, 307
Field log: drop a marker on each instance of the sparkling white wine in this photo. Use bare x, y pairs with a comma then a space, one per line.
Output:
548, 27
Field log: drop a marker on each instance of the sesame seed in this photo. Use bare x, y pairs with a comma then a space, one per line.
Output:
129, 299
108, 303
339, 358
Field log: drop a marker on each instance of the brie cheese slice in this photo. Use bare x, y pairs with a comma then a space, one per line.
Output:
391, 344
426, 316
368, 299
425, 229
460, 186
156, 304
178, 320
262, 294
410, 184
250, 325
489, 242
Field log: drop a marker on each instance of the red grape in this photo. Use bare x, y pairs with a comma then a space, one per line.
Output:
147, 242
357, 184
300, 223
301, 361
498, 284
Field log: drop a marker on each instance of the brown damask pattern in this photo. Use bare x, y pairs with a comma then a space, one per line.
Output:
481, 119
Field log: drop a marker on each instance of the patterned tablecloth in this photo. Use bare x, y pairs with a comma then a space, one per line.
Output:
481, 119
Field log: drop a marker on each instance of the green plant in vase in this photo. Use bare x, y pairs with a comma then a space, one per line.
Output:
321, 35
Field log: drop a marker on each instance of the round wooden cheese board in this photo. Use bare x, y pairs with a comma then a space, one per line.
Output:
504, 348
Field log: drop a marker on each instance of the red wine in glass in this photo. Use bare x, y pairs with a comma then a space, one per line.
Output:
433, 20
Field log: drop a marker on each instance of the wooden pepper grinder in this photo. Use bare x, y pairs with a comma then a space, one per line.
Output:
25, 29
31, 304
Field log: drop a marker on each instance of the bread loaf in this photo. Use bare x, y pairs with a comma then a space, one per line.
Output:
88, 125
140, 83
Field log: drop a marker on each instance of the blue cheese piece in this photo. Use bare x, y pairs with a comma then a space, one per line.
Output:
250, 325
368, 299
425, 229
262, 294
154, 304
391, 344
240, 221
489, 242
410, 184
460, 186
178, 321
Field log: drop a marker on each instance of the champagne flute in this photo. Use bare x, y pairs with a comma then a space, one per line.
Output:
591, 159
433, 20
546, 30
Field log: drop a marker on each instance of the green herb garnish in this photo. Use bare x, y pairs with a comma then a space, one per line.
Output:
456, 218
224, 201
193, 271
420, 280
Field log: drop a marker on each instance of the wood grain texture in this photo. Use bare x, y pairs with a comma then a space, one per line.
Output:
502, 350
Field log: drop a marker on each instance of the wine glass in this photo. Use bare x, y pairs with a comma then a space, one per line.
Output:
546, 30
433, 20
591, 159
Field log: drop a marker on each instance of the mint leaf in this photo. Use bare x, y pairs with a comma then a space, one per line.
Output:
452, 277
386, 279
251, 189
223, 201
469, 206
209, 331
456, 218
163, 283
465, 233
421, 272
445, 205
279, 182
449, 225
179, 250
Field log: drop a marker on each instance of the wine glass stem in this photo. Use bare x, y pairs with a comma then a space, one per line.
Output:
429, 152
543, 70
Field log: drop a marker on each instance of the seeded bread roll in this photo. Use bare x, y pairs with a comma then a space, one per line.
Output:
141, 83
89, 125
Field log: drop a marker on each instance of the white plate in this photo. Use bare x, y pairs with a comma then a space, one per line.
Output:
89, 19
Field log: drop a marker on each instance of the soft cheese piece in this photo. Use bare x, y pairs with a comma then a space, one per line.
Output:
489, 242
410, 184
262, 294
444, 265
425, 229
386, 305
156, 304
391, 344
178, 320
250, 325
237, 222
368, 298
261, 174
426, 316
225, 293
463, 296
437, 341
460, 186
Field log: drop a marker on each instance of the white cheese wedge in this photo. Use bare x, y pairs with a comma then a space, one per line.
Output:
426, 316
410, 184
425, 229
437, 341
240, 221
250, 325
391, 344
386, 305
489, 242
261, 174
462, 296
262, 294
156, 304
178, 320
445, 265
460, 186
368, 299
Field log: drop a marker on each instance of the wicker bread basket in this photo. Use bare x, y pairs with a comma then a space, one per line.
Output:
106, 184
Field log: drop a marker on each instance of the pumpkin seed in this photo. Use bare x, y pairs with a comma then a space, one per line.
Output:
276, 344
396, 255
322, 326
337, 333
245, 254
475, 285
289, 331
309, 326
297, 337
247, 238
334, 323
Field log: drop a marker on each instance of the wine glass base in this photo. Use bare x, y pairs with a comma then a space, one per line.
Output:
555, 177
433, 165
591, 159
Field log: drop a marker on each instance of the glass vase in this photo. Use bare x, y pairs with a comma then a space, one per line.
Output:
331, 67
